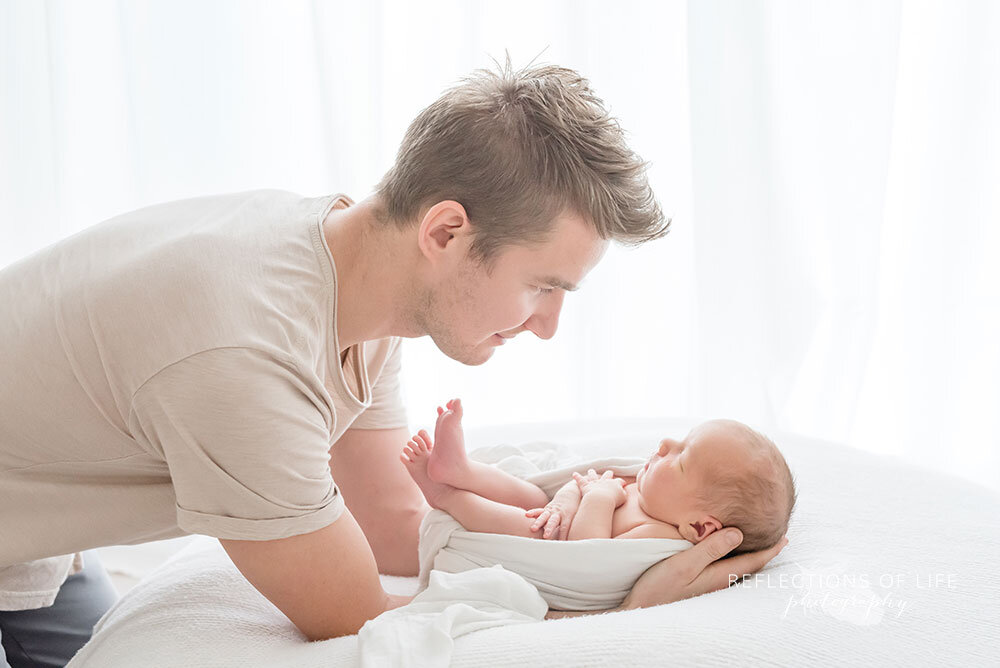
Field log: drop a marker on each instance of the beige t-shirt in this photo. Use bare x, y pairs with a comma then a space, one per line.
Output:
176, 370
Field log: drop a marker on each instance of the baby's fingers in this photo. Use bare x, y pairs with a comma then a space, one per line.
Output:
552, 525
542, 519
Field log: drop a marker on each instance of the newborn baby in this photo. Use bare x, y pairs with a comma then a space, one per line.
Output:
722, 474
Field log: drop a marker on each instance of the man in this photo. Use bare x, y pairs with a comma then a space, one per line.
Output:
203, 366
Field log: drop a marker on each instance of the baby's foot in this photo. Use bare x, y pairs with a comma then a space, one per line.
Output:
416, 453
448, 462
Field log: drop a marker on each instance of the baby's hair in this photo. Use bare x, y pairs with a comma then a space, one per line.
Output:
759, 504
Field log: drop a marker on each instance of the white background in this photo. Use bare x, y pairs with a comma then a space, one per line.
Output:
831, 169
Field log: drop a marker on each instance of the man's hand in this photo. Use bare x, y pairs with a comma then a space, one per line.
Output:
325, 581
698, 570
606, 483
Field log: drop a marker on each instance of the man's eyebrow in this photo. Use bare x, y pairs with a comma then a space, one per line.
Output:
559, 283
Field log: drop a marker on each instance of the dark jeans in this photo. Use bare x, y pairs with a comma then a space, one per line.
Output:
51, 636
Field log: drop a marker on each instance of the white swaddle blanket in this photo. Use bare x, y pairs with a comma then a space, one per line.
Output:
593, 574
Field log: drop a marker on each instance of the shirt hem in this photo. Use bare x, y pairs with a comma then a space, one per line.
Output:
238, 528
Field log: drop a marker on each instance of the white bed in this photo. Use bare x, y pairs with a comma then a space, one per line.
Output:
887, 564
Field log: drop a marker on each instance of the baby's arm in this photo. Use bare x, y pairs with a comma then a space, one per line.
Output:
557, 515
601, 495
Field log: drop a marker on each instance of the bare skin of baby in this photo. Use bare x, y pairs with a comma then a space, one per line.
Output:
484, 498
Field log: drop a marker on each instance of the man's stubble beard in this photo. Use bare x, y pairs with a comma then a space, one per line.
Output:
434, 313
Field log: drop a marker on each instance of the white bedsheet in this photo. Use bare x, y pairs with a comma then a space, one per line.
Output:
887, 564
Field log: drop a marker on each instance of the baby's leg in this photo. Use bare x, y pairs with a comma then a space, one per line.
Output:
471, 510
449, 464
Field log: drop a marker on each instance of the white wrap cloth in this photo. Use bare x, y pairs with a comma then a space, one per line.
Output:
591, 574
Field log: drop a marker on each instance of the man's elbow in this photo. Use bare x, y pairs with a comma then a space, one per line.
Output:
334, 628
313, 636
350, 620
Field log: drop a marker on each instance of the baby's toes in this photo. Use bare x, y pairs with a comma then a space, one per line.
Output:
425, 439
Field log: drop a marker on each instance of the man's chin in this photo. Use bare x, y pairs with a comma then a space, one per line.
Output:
473, 357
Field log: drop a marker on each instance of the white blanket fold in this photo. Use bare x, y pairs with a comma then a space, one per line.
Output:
421, 634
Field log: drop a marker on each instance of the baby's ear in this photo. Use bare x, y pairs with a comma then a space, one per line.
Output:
700, 530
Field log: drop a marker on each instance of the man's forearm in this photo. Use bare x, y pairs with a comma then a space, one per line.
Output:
562, 614
323, 597
593, 520
625, 605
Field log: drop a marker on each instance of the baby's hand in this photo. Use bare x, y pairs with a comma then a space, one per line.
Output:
603, 484
555, 517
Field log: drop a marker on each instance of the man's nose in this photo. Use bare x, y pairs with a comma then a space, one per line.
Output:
544, 322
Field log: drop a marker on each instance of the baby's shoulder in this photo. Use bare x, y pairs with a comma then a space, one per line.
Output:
652, 529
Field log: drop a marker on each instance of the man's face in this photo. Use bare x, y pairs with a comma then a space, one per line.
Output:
469, 313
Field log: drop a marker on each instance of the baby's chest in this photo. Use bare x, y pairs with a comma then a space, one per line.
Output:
629, 515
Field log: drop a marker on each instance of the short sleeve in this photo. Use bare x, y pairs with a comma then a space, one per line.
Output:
387, 410
246, 440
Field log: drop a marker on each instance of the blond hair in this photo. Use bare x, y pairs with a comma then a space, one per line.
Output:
759, 502
517, 149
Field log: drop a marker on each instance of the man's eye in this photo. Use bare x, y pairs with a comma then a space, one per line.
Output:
545, 291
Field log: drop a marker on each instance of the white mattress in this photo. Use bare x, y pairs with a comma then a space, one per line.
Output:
887, 564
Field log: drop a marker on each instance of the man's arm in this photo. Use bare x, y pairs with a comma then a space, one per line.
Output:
325, 581
693, 572
381, 495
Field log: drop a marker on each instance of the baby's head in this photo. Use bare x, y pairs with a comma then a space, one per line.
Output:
722, 474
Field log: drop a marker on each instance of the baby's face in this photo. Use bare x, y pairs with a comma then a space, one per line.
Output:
677, 469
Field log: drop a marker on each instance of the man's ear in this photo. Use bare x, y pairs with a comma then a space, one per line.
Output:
444, 231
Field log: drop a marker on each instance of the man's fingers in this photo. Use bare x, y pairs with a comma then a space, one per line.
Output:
722, 574
738, 567
694, 562
721, 543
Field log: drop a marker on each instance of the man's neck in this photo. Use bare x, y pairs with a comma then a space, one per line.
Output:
374, 274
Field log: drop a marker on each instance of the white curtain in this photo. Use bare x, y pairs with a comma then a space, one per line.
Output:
830, 167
